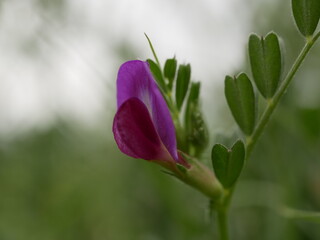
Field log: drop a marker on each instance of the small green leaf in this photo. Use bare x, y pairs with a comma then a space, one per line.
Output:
183, 80
265, 59
240, 97
306, 14
156, 72
169, 70
228, 163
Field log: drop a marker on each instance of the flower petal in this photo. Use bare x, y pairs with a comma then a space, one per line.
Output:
135, 80
135, 134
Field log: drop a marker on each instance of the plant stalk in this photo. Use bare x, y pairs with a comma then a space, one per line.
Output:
223, 223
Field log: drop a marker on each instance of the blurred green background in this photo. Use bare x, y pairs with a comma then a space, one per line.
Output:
61, 174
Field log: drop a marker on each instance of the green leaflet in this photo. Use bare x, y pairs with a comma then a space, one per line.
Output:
266, 63
228, 163
241, 100
306, 14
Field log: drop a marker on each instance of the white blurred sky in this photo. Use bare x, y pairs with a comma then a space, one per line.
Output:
65, 67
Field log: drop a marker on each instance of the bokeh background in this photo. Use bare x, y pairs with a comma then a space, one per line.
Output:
61, 174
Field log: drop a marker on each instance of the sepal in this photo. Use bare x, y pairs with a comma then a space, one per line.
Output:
199, 177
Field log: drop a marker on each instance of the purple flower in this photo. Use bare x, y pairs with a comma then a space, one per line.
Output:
143, 127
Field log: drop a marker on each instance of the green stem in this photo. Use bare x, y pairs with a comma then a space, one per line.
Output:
223, 223
300, 214
273, 102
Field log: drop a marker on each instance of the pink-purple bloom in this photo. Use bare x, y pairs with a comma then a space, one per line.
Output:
143, 127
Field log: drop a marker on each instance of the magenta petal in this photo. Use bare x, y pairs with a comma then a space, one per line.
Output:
135, 81
135, 134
